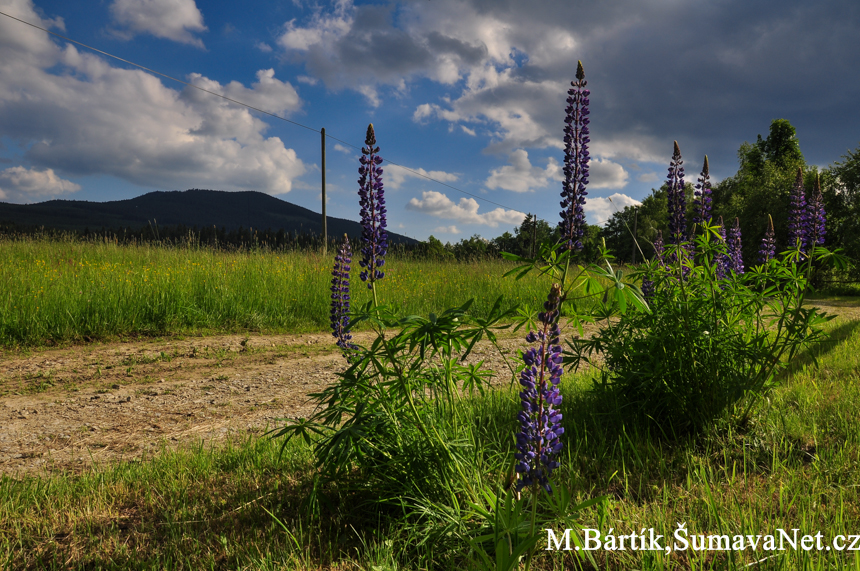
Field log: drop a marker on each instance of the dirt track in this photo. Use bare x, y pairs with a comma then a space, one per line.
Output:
68, 408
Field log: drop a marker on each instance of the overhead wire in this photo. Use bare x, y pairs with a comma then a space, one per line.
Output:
264, 112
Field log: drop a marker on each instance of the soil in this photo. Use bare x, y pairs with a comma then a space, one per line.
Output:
71, 408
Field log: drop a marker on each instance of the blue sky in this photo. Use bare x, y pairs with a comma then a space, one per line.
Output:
470, 92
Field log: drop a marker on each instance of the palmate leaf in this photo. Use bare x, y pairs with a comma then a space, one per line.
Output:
303, 428
487, 325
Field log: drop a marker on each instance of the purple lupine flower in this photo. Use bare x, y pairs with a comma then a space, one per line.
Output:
340, 296
677, 199
798, 216
648, 285
723, 261
572, 225
768, 244
816, 217
734, 242
658, 246
540, 421
702, 196
374, 237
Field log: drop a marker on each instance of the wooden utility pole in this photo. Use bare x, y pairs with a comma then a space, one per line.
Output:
324, 221
635, 220
534, 233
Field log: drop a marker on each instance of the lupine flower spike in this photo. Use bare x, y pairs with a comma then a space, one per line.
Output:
540, 421
736, 260
340, 296
816, 217
658, 246
768, 244
572, 226
374, 236
648, 285
677, 199
702, 196
723, 261
798, 217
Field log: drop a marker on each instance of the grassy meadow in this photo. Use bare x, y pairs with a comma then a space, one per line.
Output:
245, 507
71, 291
249, 505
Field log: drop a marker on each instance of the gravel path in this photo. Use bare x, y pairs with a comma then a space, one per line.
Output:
69, 408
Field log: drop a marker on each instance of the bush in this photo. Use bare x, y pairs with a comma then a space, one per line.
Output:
705, 342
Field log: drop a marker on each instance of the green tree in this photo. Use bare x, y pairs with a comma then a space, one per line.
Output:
766, 174
433, 248
840, 186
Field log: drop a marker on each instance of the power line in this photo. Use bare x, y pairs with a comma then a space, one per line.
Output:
276, 116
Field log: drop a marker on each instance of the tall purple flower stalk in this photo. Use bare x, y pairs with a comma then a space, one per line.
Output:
768, 244
658, 246
340, 296
540, 421
702, 196
374, 236
648, 285
723, 261
798, 216
734, 241
677, 199
816, 217
572, 225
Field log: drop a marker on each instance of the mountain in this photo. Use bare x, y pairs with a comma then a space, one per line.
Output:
201, 208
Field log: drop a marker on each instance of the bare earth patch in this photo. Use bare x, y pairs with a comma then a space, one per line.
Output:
70, 408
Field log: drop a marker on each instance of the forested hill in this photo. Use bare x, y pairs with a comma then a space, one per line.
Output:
200, 208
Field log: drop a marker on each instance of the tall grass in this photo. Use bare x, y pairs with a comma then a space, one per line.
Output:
793, 466
59, 291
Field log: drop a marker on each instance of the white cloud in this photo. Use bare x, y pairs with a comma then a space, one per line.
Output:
264, 47
307, 79
468, 131
603, 173
171, 19
358, 47
648, 177
395, 176
601, 209
99, 119
636, 147
521, 176
446, 230
20, 184
342, 149
466, 211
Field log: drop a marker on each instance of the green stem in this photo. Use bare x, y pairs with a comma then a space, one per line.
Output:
535, 492
373, 288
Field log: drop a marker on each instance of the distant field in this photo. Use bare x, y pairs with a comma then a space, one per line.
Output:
62, 291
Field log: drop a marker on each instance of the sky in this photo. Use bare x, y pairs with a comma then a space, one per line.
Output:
470, 93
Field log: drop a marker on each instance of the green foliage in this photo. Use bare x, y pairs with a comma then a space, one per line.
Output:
643, 221
840, 185
766, 174
66, 291
703, 344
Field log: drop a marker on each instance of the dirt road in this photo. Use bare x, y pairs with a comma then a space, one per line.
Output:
70, 408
